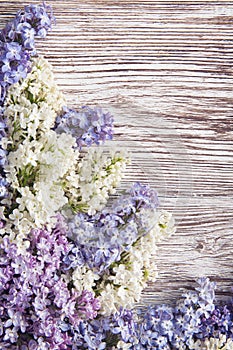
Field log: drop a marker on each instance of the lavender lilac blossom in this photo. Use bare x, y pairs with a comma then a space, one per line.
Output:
36, 298
17, 43
187, 326
99, 240
88, 125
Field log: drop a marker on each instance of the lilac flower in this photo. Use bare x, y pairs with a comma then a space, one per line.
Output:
219, 322
3, 157
16, 320
88, 305
36, 300
144, 196
99, 240
6, 67
61, 293
105, 332
40, 17
27, 34
105, 253
163, 327
155, 328
123, 323
5, 276
14, 63
3, 89
12, 51
206, 290
17, 43
88, 125
16, 74
89, 336
11, 335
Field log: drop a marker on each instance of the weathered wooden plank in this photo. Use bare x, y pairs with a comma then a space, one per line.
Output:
164, 69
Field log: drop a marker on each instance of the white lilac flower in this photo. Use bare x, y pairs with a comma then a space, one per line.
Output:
35, 171
122, 345
57, 156
84, 278
95, 177
32, 104
130, 275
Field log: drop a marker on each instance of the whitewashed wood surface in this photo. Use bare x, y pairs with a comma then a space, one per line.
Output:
164, 69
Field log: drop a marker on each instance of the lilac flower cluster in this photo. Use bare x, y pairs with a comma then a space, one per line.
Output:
144, 196
194, 318
99, 240
38, 306
17, 43
219, 322
163, 327
89, 335
88, 125
105, 332
121, 326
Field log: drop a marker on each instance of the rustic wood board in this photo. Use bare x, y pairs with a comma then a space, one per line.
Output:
164, 69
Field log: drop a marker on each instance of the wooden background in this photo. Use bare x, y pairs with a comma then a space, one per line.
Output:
164, 69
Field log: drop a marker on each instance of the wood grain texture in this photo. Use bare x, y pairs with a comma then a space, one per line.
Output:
164, 69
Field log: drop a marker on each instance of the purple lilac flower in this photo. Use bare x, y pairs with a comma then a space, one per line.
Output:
27, 33
105, 332
93, 254
144, 196
91, 245
154, 328
123, 324
37, 17
3, 157
36, 302
163, 327
219, 322
89, 335
17, 43
6, 67
99, 240
12, 52
88, 305
3, 124
88, 125
40, 17
14, 75
187, 322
